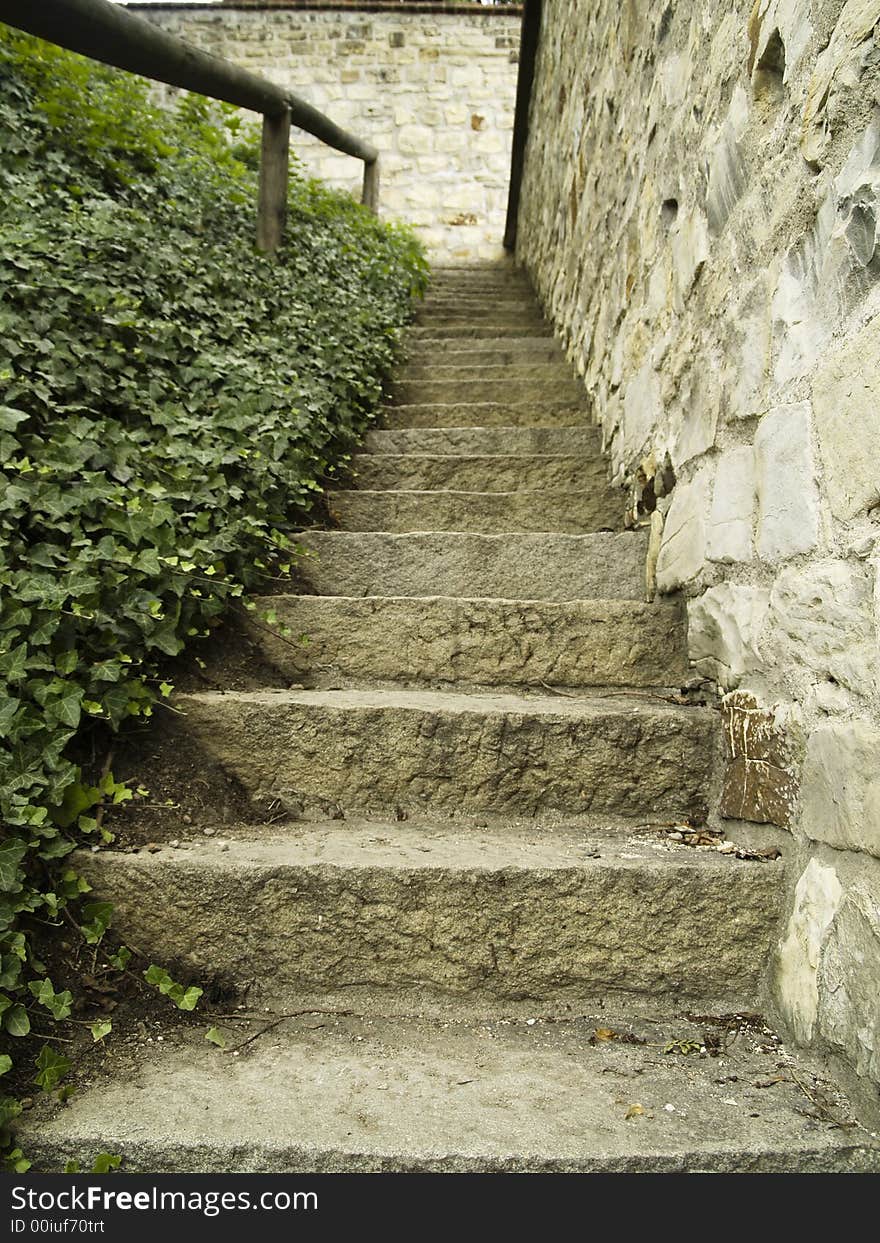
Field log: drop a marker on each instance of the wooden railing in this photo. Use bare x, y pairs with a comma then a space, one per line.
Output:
106, 32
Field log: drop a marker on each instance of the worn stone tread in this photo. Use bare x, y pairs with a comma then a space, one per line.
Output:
486, 414
483, 642
456, 910
494, 329
349, 1094
486, 440
505, 472
565, 391
527, 566
511, 754
487, 513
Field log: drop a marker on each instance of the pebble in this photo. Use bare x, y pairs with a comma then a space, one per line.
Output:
209, 832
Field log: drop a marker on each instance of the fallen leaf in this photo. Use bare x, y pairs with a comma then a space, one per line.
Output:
637, 1111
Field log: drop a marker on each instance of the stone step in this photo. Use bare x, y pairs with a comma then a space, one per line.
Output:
430, 751
519, 567
514, 373
489, 513
486, 414
478, 329
526, 323
483, 352
343, 1093
472, 351
478, 473
476, 440
450, 911
566, 391
482, 642
442, 302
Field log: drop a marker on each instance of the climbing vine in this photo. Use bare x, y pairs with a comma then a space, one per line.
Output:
171, 404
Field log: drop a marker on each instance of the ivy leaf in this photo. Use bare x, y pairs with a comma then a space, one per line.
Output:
105, 1162
5, 1063
51, 1068
16, 1021
11, 854
10, 418
215, 1036
100, 1029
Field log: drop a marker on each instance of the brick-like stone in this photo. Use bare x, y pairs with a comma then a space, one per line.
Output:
683, 551
732, 515
724, 625
846, 396
788, 497
817, 896
840, 793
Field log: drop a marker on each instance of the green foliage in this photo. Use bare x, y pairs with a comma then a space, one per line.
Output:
184, 998
171, 405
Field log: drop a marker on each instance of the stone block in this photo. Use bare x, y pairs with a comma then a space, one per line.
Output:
732, 515
759, 784
817, 897
822, 626
846, 400
840, 795
849, 969
683, 550
788, 497
723, 629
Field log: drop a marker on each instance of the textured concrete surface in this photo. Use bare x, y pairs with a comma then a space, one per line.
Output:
428, 750
486, 414
510, 914
484, 642
426, 350
528, 567
473, 331
487, 513
415, 392
478, 472
345, 1094
492, 440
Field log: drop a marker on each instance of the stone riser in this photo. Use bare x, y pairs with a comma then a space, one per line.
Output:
486, 414
448, 355
482, 642
469, 440
450, 754
514, 374
276, 918
491, 330
486, 513
520, 567
417, 392
478, 473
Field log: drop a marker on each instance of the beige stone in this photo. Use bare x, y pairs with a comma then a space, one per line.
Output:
683, 551
788, 498
724, 626
817, 897
846, 402
840, 794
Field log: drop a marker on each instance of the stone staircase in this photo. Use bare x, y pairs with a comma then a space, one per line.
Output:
489, 952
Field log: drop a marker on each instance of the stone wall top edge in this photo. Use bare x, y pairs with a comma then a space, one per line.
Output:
319, 6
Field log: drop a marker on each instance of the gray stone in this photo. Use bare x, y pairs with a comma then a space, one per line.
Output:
487, 440
566, 392
724, 625
840, 795
788, 498
849, 1000
340, 1093
463, 912
845, 404
816, 899
822, 626
427, 751
486, 414
489, 513
478, 473
731, 517
521, 567
683, 551
483, 642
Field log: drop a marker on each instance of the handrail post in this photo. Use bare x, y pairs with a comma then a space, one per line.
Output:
274, 162
370, 196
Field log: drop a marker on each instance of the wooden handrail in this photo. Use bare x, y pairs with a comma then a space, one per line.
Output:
106, 32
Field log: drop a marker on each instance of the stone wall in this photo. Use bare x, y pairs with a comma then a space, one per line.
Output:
433, 90
699, 217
